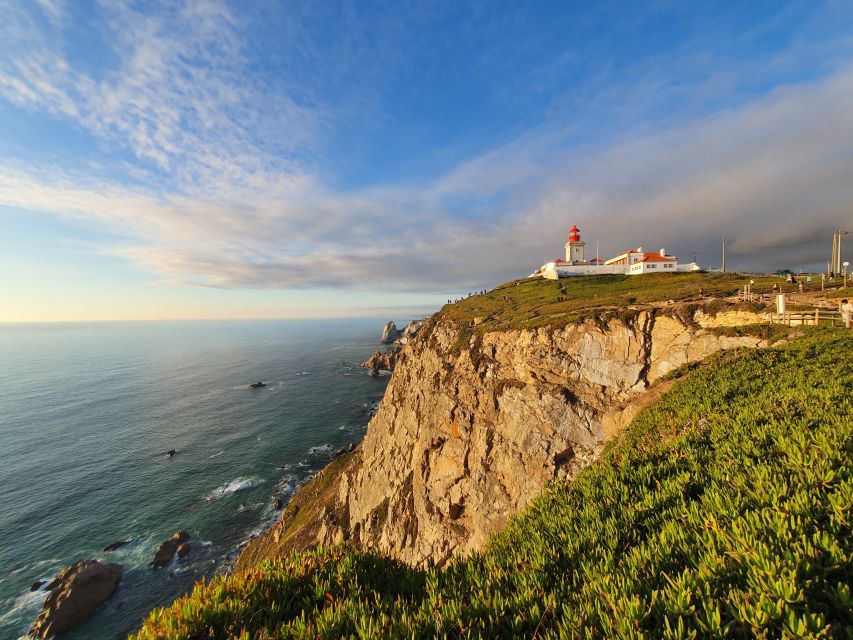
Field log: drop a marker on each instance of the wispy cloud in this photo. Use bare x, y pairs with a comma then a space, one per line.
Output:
212, 203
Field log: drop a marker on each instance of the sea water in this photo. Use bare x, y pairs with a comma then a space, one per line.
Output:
88, 410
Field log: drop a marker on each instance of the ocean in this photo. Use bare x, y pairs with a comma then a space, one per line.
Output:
88, 410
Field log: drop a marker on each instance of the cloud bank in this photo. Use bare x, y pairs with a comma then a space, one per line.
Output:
202, 199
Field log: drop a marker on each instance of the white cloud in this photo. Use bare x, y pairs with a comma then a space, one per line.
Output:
239, 212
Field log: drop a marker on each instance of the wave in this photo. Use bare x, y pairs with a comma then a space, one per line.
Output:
320, 449
215, 455
238, 484
23, 609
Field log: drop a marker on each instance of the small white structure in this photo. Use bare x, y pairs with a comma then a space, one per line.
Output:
633, 262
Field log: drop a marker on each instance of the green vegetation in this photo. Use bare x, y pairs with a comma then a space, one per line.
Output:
841, 293
535, 302
724, 510
769, 332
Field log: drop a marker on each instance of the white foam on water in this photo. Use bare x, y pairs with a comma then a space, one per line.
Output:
238, 484
24, 610
319, 449
215, 455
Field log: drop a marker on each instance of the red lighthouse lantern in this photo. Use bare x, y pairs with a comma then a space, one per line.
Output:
574, 234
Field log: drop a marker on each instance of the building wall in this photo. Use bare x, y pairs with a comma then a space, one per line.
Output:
553, 271
575, 251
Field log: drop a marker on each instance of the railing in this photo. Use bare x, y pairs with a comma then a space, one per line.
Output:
764, 291
813, 318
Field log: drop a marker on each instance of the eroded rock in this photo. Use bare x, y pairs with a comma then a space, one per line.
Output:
75, 594
380, 362
390, 332
168, 549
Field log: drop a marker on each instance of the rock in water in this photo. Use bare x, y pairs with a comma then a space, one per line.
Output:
380, 361
118, 544
390, 332
411, 330
75, 594
168, 549
184, 550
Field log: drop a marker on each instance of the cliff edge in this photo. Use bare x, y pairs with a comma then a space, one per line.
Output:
479, 417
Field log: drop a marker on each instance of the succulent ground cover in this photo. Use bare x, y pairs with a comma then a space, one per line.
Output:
724, 510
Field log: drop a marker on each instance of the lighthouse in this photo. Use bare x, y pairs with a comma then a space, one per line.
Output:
574, 247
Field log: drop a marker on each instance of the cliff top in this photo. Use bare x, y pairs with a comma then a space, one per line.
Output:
535, 302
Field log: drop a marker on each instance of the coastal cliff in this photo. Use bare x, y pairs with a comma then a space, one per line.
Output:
476, 421
720, 509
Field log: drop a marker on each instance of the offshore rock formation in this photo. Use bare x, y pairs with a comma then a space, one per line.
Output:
473, 425
75, 594
169, 548
380, 362
390, 333
410, 331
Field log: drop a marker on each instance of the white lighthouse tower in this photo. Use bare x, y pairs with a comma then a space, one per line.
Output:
575, 247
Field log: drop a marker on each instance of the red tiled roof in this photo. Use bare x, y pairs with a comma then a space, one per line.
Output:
654, 257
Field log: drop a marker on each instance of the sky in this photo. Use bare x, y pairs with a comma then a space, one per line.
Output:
211, 159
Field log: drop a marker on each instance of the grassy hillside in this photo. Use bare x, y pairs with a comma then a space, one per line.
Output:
535, 302
723, 511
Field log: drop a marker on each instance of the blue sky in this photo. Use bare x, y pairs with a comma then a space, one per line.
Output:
200, 158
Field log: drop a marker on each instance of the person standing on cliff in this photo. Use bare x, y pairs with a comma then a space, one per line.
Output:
847, 313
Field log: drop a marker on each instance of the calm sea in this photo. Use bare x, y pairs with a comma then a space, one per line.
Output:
87, 411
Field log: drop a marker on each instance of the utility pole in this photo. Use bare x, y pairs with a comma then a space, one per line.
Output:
724, 255
831, 266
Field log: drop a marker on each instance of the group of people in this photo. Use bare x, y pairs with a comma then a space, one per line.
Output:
470, 294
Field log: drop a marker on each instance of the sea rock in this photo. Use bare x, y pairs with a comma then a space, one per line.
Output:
118, 544
347, 449
278, 504
411, 329
390, 332
38, 584
184, 550
168, 549
75, 594
380, 362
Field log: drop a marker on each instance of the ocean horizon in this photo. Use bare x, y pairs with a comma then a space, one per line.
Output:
90, 408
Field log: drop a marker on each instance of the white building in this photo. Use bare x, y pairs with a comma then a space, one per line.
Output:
633, 262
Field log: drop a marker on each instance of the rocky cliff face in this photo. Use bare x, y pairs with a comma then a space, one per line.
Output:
473, 426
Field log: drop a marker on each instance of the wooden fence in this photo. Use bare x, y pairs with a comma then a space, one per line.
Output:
814, 318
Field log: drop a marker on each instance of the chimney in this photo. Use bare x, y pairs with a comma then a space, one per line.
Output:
663, 252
